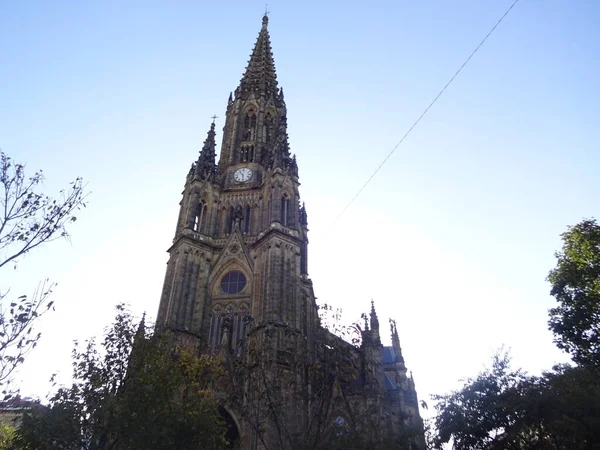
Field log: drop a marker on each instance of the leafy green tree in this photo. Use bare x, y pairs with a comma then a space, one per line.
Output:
565, 408
28, 219
575, 281
134, 392
505, 409
485, 411
560, 410
7, 434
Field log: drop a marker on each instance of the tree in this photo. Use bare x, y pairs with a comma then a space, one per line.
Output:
567, 408
504, 409
7, 434
559, 410
134, 392
28, 219
485, 411
575, 281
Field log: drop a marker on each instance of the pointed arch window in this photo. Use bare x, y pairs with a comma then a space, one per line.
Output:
214, 335
241, 322
247, 219
199, 216
249, 125
285, 206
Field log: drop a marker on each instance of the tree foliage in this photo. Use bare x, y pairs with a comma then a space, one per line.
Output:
484, 410
504, 409
575, 282
132, 392
28, 219
560, 410
7, 435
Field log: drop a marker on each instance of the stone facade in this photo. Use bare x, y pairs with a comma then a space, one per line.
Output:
237, 286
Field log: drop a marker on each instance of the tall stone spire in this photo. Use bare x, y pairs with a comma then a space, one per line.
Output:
205, 166
260, 76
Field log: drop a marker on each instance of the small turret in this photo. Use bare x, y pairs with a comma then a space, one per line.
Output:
374, 324
141, 330
412, 392
294, 166
205, 166
396, 342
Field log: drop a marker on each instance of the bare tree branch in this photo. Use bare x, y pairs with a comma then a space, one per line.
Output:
28, 219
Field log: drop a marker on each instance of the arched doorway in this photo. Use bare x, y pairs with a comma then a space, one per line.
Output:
232, 434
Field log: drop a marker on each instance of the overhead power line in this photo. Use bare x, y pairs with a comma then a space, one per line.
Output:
426, 111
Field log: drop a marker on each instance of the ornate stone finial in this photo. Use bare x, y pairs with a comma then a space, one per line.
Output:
265, 19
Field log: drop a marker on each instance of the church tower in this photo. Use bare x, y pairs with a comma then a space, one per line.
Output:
237, 286
240, 245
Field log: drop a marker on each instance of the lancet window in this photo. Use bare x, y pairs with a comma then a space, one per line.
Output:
214, 334
285, 206
199, 216
247, 219
250, 125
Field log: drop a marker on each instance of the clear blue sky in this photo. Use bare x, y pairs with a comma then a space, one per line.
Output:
453, 238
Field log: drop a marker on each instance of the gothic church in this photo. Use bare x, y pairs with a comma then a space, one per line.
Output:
237, 286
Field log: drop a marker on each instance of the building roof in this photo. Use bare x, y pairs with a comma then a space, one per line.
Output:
389, 356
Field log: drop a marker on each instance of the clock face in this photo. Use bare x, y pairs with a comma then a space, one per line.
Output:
243, 174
